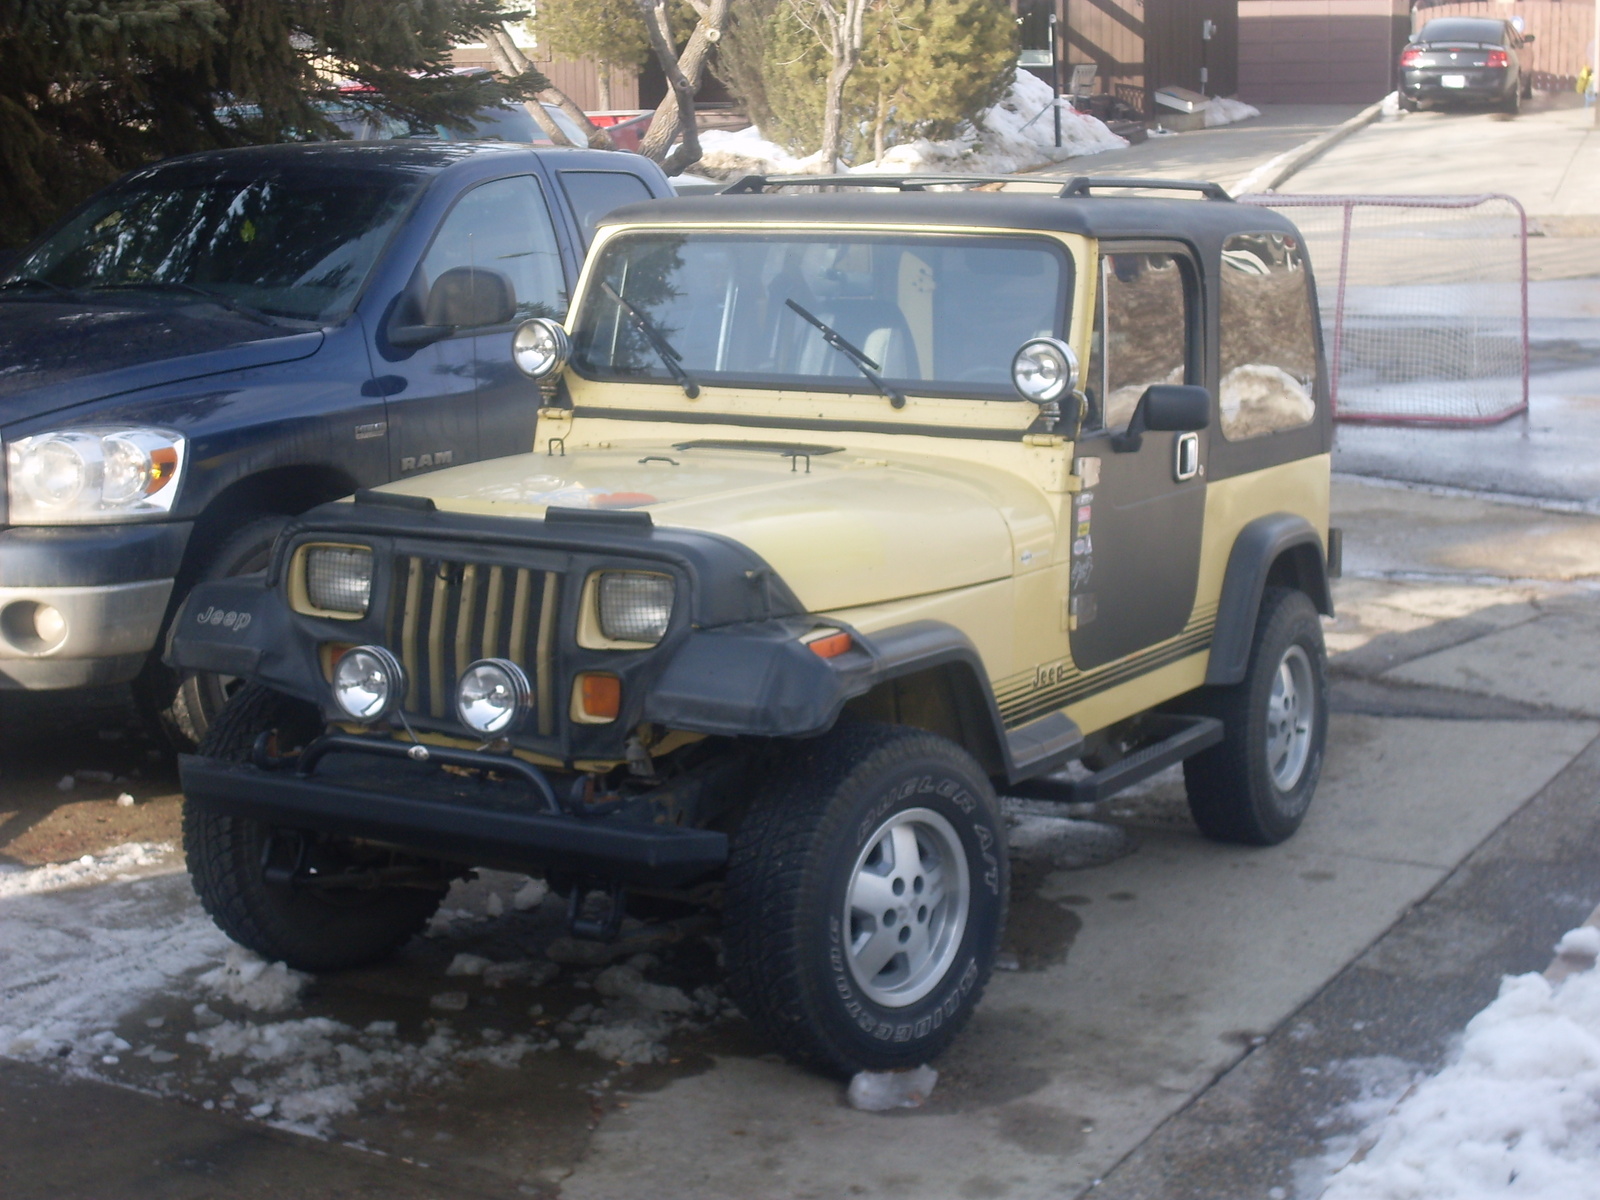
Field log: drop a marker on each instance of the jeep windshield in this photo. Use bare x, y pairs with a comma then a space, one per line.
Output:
935, 315
293, 241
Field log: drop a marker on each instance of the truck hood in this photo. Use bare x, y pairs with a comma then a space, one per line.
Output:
842, 529
56, 353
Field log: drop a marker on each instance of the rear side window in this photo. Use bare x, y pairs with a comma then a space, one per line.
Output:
595, 193
1269, 345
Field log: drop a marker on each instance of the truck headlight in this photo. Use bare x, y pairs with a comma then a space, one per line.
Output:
368, 683
93, 474
337, 579
635, 606
493, 696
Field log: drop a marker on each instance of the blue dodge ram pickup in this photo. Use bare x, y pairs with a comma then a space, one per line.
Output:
220, 341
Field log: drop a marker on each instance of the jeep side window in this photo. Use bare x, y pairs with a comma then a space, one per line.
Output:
1269, 345
503, 227
1140, 334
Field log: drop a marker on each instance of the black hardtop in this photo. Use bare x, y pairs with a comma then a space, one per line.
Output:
1203, 223
400, 156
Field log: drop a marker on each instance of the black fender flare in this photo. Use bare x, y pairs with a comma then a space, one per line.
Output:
1260, 545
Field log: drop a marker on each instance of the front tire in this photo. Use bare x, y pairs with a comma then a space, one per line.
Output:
865, 900
1255, 786
310, 929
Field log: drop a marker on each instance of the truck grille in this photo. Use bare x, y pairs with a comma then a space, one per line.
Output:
449, 614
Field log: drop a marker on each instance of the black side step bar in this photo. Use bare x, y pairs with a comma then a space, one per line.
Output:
1183, 736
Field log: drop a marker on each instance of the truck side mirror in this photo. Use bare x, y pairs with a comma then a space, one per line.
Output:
1165, 408
461, 298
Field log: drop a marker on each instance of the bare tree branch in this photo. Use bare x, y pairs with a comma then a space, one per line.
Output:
676, 117
512, 62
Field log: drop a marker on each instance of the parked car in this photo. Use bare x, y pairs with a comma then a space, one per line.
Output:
220, 341
1474, 60
828, 537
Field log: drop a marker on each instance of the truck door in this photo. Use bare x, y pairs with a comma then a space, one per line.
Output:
1136, 530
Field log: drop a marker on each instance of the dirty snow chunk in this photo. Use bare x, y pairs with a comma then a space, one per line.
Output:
251, 981
467, 964
626, 983
494, 906
1224, 110
634, 1041
449, 1001
879, 1091
1518, 1111
1582, 942
90, 868
66, 783
527, 971
206, 1017
125, 800
530, 895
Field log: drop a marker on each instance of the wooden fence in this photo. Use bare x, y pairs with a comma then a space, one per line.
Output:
1562, 32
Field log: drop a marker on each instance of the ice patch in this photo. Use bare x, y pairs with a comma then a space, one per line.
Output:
467, 964
91, 868
880, 1091
623, 982
254, 983
631, 1041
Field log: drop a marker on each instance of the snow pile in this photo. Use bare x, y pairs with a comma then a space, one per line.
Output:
254, 983
91, 868
880, 1091
1517, 1113
1224, 110
1015, 135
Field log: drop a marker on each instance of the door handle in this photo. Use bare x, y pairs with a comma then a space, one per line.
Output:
1186, 457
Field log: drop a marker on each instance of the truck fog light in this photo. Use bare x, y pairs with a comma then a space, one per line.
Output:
1044, 369
635, 606
49, 624
493, 696
368, 683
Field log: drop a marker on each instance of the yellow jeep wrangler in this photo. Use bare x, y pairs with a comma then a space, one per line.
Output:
847, 509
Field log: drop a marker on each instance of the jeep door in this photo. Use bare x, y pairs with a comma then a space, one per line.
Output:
1136, 525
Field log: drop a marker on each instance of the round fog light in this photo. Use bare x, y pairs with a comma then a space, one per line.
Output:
1045, 369
49, 624
493, 696
368, 683
540, 347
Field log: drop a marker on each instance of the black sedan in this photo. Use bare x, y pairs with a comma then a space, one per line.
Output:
1457, 60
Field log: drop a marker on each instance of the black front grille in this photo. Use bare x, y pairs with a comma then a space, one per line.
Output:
447, 614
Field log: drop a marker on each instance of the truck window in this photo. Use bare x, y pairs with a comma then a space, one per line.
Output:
1140, 335
504, 226
593, 194
1269, 346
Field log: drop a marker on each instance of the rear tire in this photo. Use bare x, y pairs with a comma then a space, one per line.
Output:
1407, 104
865, 899
311, 930
1255, 786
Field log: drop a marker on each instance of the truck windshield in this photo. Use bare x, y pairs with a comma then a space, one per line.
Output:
932, 314
288, 242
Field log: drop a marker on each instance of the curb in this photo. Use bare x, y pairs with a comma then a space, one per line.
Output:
1275, 172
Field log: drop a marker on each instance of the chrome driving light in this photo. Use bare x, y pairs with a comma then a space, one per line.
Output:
339, 579
1045, 369
635, 606
368, 683
493, 696
540, 347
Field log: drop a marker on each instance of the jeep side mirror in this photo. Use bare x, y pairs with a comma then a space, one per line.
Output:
1165, 408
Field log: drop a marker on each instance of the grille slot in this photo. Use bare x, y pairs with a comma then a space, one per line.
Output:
453, 613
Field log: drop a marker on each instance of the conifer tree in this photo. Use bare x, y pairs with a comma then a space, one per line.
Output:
92, 88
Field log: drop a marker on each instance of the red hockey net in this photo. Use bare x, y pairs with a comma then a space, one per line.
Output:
1424, 303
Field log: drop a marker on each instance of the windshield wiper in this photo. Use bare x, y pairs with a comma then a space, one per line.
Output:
663, 348
173, 285
34, 281
862, 363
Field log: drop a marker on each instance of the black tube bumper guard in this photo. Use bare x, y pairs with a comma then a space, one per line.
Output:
420, 809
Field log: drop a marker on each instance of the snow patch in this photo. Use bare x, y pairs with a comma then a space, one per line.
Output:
91, 868
254, 983
1224, 110
880, 1091
1017, 134
1517, 1111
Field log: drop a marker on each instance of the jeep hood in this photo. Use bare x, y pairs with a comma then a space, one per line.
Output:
850, 531
57, 353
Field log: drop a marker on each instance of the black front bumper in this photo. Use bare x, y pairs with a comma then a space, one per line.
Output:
421, 809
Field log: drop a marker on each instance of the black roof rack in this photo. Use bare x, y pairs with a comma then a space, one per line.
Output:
1079, 186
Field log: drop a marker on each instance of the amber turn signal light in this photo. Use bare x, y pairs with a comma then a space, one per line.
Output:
831, 646
598, 696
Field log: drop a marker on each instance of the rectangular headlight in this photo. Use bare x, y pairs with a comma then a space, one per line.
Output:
339, 578
635, 606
